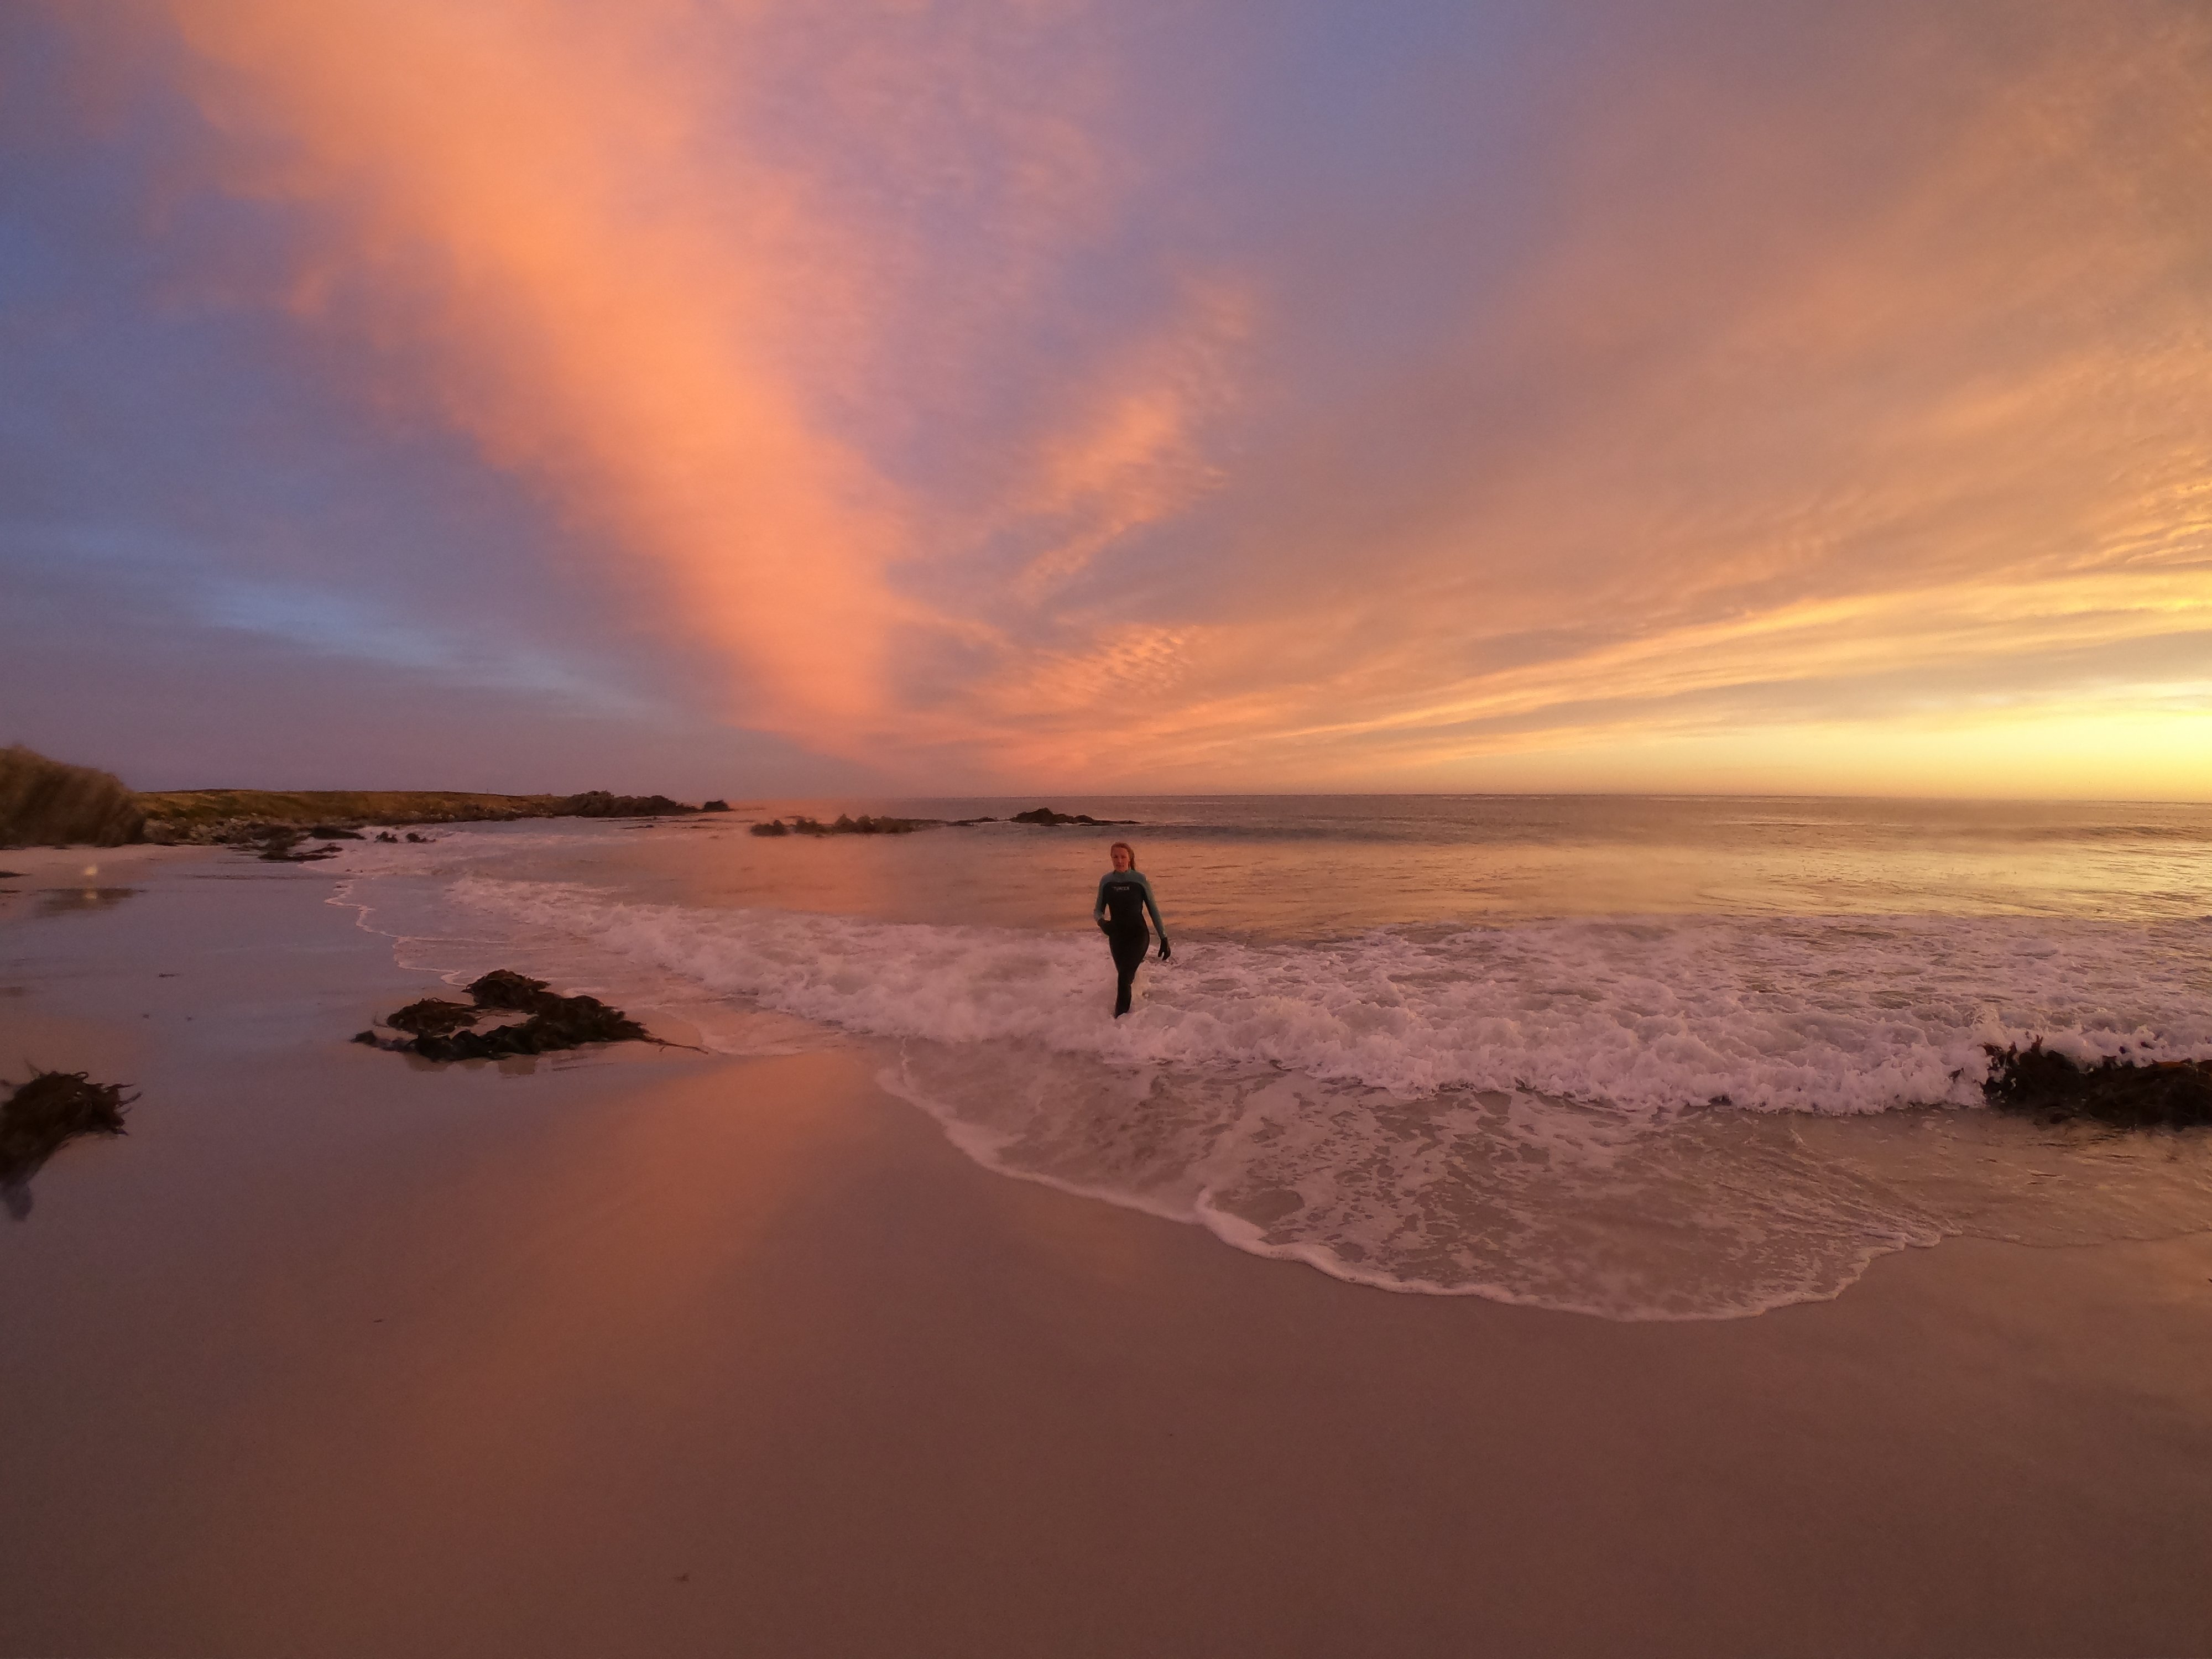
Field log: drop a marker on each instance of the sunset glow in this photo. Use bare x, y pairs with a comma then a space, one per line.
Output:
710, 395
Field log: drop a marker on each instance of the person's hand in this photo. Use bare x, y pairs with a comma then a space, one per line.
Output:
1164, 950
1102, 927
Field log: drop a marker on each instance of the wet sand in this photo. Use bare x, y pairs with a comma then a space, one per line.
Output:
651, 1353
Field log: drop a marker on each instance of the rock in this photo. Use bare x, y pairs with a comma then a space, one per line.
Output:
328, 832
863, 825
1045, 815
48, 803
276, 843
385, 834
2134, 1094
598, 804
52, 1107
714, 806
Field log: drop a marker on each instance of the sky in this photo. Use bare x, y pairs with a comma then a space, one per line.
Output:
730, 397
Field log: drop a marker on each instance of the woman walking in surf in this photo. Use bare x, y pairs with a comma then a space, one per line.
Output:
1124, 897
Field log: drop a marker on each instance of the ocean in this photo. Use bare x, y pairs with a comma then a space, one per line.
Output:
1634, 1057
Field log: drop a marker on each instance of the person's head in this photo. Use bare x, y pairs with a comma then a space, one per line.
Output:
1124, 855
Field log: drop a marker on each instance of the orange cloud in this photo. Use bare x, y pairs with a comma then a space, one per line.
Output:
531, 205
1776, 406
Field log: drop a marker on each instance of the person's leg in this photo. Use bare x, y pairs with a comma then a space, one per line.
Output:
1128, 952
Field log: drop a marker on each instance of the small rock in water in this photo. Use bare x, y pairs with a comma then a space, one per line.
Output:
863, 825
1045, 815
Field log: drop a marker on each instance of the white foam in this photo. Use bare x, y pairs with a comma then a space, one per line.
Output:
1516, 1112
1648, 1017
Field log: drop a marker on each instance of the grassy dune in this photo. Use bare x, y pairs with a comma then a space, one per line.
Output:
49, 803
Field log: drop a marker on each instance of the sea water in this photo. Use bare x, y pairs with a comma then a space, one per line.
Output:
1638, 1057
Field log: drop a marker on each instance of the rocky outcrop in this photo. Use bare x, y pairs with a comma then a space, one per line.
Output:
2129, 1095
239, 817
863, 825
279, 844
598, 804
1045, 815
49, 803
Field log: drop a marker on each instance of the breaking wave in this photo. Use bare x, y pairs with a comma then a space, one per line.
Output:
1681, 1117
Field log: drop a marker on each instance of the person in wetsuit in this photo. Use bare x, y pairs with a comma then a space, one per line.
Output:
1124, 897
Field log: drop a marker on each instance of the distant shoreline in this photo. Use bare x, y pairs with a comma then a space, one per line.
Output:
188, 816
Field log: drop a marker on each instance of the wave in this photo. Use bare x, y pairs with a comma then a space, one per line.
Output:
1524, 1113
1647, 1016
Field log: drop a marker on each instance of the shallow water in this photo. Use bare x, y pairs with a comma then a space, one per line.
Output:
1638, 1057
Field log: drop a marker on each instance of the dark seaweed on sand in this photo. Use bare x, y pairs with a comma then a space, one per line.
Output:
2129, 1095
433, 1017
438, 1028
52, 1107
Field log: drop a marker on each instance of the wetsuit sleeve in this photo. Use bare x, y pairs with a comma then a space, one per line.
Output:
1152, 905
1099, 910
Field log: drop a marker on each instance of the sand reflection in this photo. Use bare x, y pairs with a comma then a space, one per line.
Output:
62, 900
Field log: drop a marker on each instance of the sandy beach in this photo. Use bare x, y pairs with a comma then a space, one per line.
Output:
642, 1352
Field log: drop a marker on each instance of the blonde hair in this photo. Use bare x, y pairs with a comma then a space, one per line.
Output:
1124, 846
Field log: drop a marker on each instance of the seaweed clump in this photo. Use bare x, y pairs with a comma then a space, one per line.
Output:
439, 1029
52, 1107
2037, 1082
433, 1017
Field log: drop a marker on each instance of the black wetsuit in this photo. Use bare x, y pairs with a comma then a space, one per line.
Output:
1124, 897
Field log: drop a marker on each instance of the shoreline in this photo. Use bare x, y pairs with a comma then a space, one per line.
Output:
645, 1351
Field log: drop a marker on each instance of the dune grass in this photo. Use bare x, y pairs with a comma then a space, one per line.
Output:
49, 803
